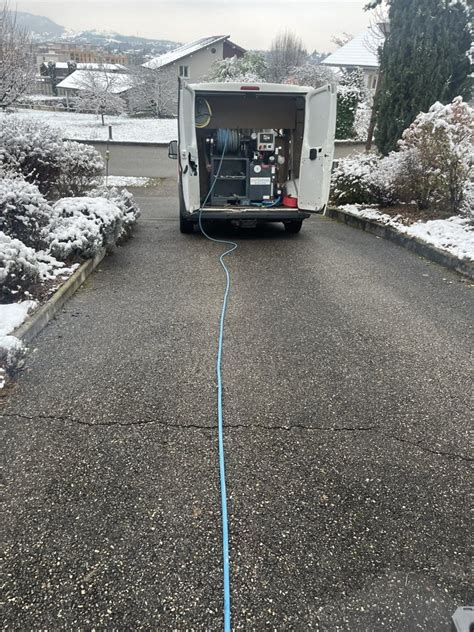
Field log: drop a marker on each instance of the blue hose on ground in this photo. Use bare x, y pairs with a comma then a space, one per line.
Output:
225, 528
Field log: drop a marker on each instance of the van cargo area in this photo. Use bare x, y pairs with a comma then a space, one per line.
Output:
251, 147
250, 153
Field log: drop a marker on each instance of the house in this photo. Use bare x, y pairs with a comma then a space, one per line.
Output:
193, 61
361, 52
85, 79
52, 73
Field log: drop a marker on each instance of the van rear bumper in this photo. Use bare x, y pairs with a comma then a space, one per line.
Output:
264, 215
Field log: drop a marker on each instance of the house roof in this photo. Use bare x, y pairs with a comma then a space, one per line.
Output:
81, 79
360, 51
63, 65
183, 51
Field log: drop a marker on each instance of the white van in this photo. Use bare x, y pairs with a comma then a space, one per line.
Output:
253, 153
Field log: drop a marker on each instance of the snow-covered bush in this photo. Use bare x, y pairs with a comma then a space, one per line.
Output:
362, 179
434, 162
81, 169
126, 203
23, 210
466, 207
19, 268
32, 148
351, 92
362, 121
81, 226
251, 67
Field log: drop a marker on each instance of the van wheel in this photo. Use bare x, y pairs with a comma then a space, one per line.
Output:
185, 226
294, 226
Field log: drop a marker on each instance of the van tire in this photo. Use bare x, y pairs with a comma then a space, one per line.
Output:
185, 226
294, 226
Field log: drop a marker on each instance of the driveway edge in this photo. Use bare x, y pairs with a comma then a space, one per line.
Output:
40, 318
418, 246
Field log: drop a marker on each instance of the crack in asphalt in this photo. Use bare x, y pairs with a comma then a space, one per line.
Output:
143, 422
165, 424
420, 446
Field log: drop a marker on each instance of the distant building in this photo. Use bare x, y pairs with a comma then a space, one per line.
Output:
360, 53
52, 73
64, 52
118, 82
193, 61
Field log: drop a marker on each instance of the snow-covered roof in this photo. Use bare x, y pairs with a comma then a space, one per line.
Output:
94, 66
184, 51
359, 52
63, 65
81, 79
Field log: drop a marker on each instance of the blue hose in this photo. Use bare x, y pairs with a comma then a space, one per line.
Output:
225, 528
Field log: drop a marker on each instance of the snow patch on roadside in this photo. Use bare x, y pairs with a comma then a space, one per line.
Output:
12, 316
127, 181
454, 235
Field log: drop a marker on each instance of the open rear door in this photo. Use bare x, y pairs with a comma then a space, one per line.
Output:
187, 148
317, 149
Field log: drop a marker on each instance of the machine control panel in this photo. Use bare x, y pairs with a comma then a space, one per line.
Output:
266, 141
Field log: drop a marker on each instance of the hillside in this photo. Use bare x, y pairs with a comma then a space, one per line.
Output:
43, 29
40, 26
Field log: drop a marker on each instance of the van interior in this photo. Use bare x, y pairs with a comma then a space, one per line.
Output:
249, 144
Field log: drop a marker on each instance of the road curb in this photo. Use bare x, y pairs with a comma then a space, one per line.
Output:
416, 245
40, 318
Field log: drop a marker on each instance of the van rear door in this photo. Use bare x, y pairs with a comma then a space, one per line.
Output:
318, 148
187, 148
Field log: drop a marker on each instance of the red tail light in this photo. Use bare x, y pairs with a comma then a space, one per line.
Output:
249, 87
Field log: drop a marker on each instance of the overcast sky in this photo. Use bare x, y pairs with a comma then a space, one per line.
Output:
250, 23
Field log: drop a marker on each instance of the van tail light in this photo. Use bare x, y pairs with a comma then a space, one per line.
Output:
250, 87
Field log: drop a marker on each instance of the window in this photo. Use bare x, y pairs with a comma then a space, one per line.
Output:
184, 72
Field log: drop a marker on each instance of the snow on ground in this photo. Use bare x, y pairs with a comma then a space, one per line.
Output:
127, 181
12, 316
50, 268
455, 234
77, 126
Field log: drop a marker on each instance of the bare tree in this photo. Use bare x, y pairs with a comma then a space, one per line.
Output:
311, 74
286, 52
154, 91
17, 70
99, 92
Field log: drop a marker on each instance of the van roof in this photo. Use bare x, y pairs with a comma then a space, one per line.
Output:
251, 86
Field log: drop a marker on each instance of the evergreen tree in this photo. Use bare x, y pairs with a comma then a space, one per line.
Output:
424, 60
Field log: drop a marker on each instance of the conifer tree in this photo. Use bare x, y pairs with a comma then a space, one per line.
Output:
424, 60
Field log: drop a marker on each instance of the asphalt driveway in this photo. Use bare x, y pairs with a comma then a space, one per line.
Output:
347, 384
